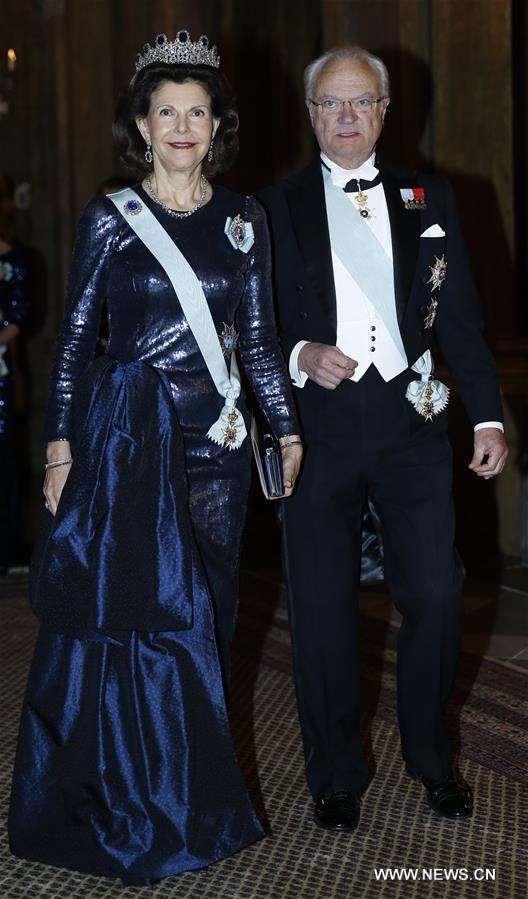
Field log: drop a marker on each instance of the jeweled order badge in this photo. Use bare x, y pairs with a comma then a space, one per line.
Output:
362, 200
438, 273
239, 233
228, 339
438, 276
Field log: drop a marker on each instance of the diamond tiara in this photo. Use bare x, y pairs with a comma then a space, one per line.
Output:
181, 50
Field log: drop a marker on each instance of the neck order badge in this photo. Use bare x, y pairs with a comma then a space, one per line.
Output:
362, 199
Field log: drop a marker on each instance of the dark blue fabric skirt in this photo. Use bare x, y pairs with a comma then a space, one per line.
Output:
125, 764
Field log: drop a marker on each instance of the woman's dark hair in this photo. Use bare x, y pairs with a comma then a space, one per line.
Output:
136, 103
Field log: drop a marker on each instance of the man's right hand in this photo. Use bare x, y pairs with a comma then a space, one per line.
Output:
325, 364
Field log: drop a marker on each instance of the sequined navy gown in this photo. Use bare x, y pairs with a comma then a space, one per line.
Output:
125, 765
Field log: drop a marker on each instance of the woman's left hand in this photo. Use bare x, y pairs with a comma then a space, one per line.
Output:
291, 461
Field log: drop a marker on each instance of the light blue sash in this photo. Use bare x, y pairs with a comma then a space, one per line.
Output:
363, 256
229, 430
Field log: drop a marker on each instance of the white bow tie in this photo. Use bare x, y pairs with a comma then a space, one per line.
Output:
340, 177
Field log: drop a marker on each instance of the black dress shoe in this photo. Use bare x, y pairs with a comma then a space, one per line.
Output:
449, 798
338, 811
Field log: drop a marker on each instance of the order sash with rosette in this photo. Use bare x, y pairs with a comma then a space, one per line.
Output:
371, 269
229, 429
363, 256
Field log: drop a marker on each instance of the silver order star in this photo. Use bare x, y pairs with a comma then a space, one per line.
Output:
438, 273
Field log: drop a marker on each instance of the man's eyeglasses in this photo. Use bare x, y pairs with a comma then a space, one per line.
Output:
329, 106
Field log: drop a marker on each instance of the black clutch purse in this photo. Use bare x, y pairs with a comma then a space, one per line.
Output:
268, 459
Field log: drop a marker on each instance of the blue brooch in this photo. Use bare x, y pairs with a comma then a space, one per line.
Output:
132, 207
239, 233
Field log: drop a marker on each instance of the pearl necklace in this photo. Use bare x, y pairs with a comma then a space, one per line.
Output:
179, 215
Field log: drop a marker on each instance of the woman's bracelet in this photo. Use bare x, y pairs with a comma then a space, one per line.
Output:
291, 443
56, 464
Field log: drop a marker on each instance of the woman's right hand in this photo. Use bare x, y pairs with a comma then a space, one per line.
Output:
56, 478
292, 453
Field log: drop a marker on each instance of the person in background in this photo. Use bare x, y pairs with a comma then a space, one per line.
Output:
14, 309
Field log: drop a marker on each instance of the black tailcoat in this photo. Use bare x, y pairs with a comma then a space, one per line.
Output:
365, 439
304, 282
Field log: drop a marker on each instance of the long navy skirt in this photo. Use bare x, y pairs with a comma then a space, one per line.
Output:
125, 764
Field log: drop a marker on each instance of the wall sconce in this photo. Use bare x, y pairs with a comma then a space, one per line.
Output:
6, 81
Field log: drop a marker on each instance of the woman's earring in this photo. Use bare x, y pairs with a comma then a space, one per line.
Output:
210, 153
148, 154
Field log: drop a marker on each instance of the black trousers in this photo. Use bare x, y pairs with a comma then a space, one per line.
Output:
371, 441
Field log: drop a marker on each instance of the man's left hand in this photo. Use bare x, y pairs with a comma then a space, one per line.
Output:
490, 453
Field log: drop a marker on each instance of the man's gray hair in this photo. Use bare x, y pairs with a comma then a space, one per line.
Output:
314, 69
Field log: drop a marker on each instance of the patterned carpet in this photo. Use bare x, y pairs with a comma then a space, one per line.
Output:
296, 860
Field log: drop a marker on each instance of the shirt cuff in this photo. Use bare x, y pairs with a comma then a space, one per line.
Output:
299, 378
490, 424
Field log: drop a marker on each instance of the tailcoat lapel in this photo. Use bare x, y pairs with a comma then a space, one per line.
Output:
306, 201
405, 235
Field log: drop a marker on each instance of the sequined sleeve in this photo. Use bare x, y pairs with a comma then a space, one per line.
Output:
86, 292
259, 345
15, 297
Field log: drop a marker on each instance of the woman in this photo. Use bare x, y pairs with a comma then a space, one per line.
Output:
14, 307
125, 765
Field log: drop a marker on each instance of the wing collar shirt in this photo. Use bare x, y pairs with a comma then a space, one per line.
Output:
361, 334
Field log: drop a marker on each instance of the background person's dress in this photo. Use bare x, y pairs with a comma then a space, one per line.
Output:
125, 764
14, 308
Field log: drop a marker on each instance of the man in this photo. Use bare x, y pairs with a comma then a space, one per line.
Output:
370, 266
